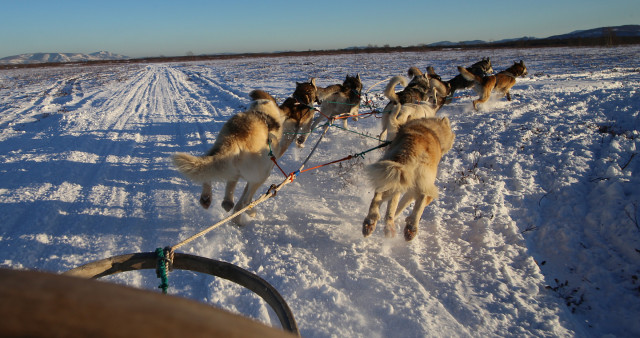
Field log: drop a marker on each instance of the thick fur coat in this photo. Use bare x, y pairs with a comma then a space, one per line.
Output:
501, 82
245, 145
402, 107
480, 68
408, 168
335, 100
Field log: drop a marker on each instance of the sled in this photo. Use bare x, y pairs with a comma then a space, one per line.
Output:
39, 304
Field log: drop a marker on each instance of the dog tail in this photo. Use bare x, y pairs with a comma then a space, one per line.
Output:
387, 176
198, 169
390, 91
414, 71
258, 94
467, 75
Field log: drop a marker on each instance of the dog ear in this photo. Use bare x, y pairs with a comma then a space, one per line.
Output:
446, 121
358, 76
313, 81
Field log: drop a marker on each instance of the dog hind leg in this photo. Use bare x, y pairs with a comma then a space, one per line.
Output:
372, 218
227, 202
484, 97
411, 227
247, 195
205, 197
404, 203
390, 226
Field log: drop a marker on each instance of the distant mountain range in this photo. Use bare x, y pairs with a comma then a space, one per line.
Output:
602, 32
626, 32
60, 57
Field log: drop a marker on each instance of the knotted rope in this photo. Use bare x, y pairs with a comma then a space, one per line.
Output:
163, 266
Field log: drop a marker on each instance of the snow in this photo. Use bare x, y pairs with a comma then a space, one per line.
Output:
535, 233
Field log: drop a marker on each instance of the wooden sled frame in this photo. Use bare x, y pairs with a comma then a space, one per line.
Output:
181, 261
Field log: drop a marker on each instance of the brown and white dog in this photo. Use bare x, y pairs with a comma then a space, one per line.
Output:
445, 89
335, 100
400, 113
501, 82
409, 166
418, 99
480, 68
417, 90
245, 144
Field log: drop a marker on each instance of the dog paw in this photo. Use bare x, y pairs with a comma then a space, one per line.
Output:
251, 212
410, 232
368, 226
300, 141
238, 221
390, 231
226, 205
205, 202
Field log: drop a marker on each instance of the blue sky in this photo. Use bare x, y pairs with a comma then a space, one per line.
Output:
158, 27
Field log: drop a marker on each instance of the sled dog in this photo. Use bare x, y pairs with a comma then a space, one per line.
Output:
399, 113
335, 100
417, 90
245, 144
442, 89
411, 103
501, 82
409, 166
480, 68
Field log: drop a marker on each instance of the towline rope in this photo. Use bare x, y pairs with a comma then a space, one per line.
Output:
360, 154
165, 255
273, 189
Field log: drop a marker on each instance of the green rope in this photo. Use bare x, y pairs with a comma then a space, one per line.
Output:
345, 103
270, 150
355, 132
161, 270
361, 155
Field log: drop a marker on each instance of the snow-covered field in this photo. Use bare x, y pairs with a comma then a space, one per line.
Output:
536, 232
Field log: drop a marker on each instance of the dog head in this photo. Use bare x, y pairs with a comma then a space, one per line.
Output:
353, 85
299, 107
519, 69
485, 66
306, 93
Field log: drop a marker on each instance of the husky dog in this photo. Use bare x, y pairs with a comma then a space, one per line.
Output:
501, 82
442, 90
480, 68
245, 144
413, 102
409, 166
417, 90
400, 113
337, 99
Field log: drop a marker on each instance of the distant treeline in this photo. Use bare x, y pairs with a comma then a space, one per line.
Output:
604, 41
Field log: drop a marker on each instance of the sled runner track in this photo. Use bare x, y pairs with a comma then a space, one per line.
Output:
534, 234
215, 91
